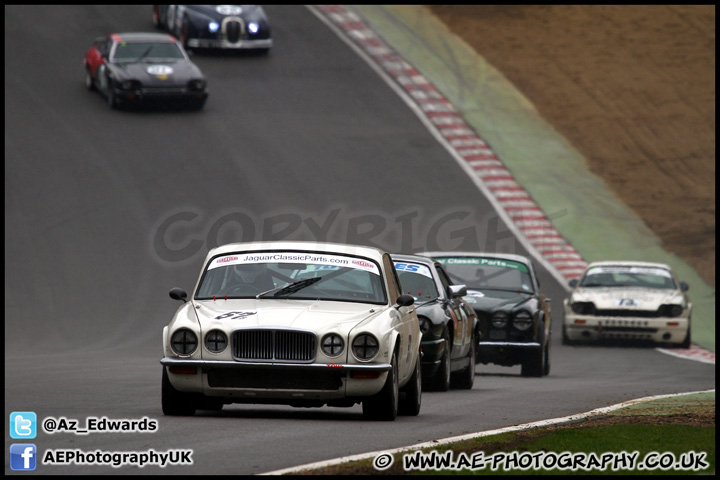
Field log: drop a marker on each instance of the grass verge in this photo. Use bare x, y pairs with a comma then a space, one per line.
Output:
670, 436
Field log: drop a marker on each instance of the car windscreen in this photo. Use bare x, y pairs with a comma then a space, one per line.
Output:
134, 51
628, 276
481, 273
416, 280
292, 274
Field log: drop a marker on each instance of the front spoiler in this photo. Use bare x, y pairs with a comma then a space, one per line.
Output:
179, 362
509, 344
224, 44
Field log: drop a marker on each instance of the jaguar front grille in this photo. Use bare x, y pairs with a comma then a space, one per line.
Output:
233, 29
273, 345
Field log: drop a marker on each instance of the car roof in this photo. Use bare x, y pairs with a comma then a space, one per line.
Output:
322, 247
404, 257
143, 37
628, 263
501, 256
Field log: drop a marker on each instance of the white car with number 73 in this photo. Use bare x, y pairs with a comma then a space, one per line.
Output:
298, 323
639, 301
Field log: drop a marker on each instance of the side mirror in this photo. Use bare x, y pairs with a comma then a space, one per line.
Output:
405, 301
573, 283
458, 291
178, 294
684, 286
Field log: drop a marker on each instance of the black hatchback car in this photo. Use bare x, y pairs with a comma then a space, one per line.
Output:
514, 319
447, 323
130, 68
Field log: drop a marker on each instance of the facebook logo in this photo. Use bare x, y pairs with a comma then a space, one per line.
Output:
23, 425
22, 456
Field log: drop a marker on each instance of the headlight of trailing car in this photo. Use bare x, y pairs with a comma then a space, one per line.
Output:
365, 346
253, 27
498, 319
332, 345
196, 84
522, 320
130, 85
424, 325
583, 308
183, 341
216, 341
671, 310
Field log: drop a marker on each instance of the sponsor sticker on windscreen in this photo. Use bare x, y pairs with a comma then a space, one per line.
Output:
413, 268
660, 272
310, 259
483, 262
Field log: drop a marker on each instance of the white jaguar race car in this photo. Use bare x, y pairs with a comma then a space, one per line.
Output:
628, 300
298, 323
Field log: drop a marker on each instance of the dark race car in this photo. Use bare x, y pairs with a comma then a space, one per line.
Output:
447, 323
236, 27
130, 68
513, 316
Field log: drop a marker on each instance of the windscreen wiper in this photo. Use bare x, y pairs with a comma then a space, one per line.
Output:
291, 288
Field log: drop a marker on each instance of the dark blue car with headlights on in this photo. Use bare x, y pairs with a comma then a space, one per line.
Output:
447, 323
513, 316
230, 27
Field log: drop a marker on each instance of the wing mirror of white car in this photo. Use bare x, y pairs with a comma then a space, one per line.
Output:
684, 286
458, 290
178, 294
573, 283
405, 301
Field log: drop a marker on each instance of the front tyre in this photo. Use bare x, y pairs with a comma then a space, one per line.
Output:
466, 378
89, 82
384, 404
111, 98
175, 402
410, 404
687, 342
440, 382
533, 364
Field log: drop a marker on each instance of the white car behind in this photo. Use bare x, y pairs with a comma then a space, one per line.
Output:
628, 301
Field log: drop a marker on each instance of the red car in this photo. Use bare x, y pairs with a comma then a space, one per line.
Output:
130, 68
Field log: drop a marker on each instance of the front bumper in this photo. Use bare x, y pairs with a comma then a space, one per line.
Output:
505, 353
161, 94
265, 380
432, 352
246, 44
659, 330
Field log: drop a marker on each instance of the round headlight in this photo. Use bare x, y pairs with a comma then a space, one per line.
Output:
216, 341
196, 84
424, 325
183, 341
253, 27
332, 345
130, 85
499, 319
213, 27
522, 321
365, 346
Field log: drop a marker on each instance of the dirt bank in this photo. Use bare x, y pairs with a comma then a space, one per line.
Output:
633, 89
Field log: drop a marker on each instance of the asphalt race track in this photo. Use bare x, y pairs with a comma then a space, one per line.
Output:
105, 211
